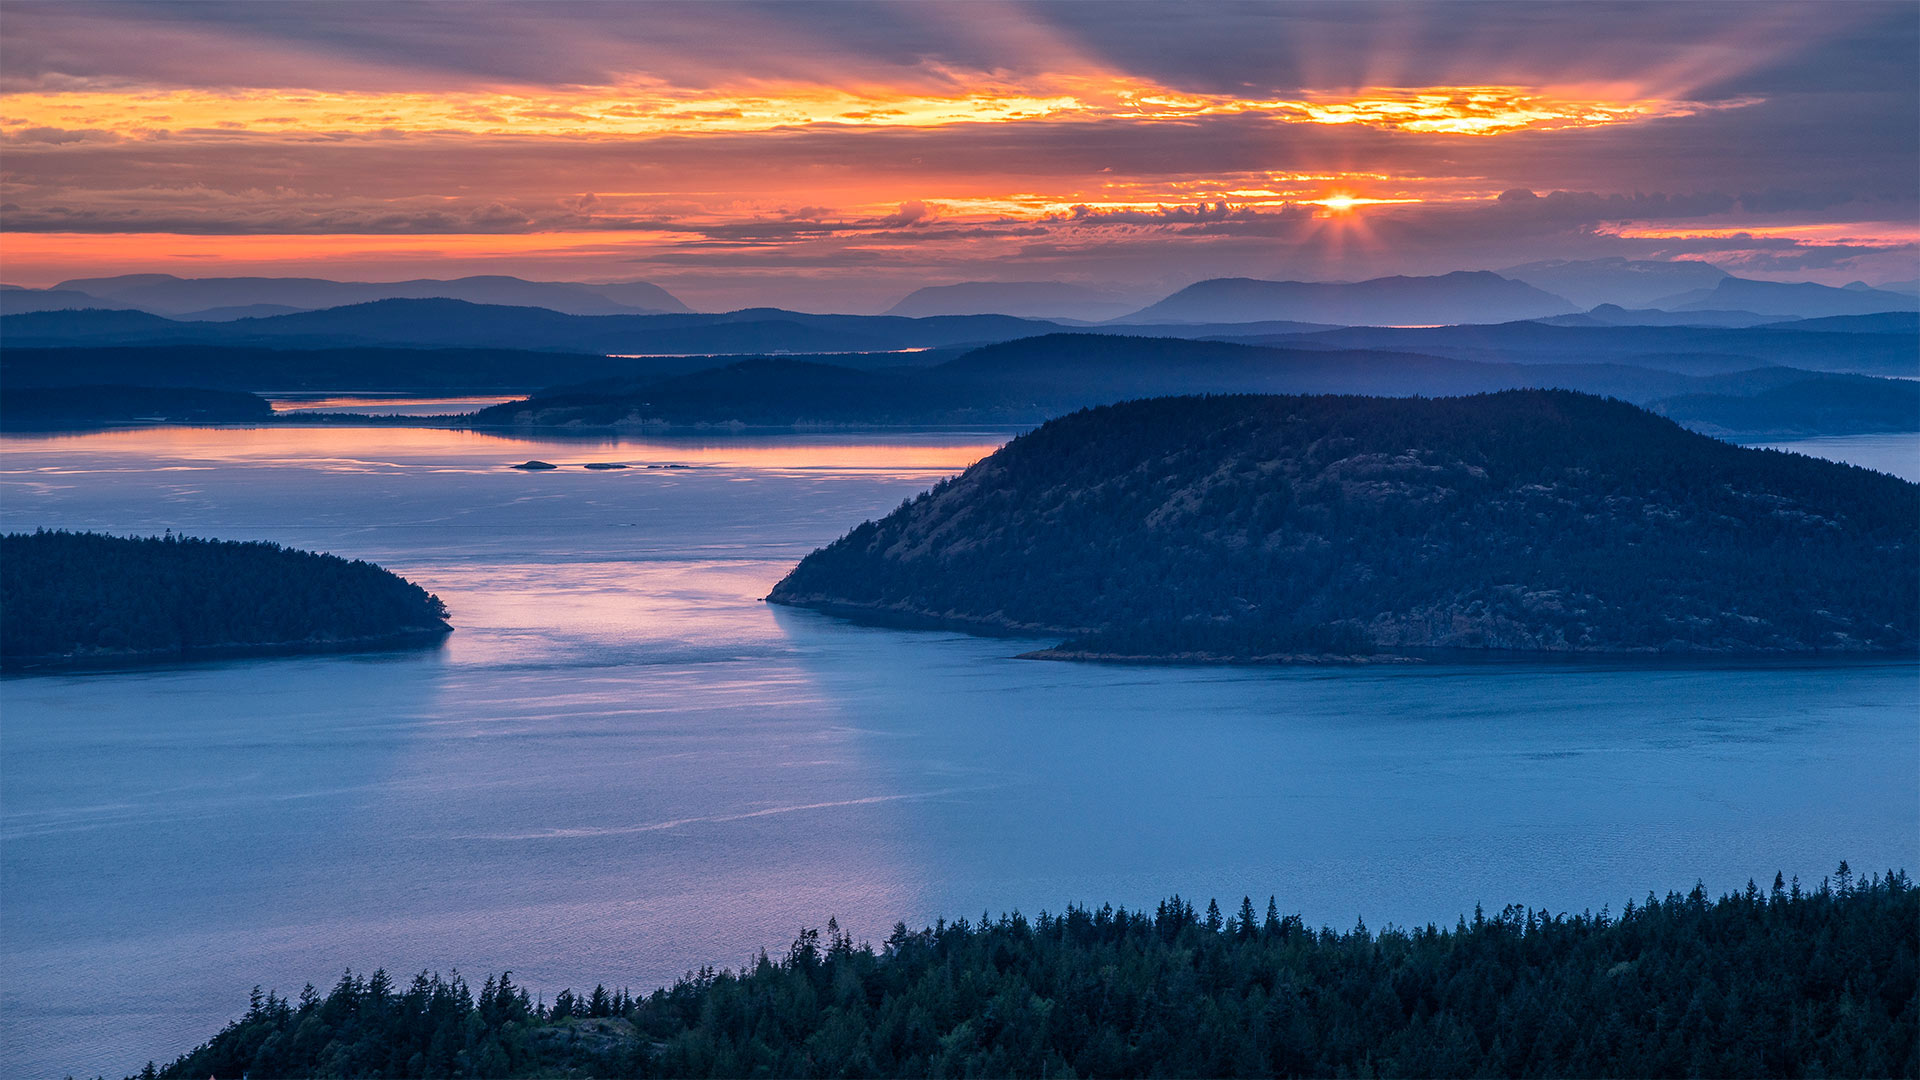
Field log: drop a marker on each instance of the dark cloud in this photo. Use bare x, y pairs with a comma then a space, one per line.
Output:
1717, 48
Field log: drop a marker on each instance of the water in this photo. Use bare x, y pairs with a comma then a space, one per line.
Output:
383, 404
1897, 453
622, 765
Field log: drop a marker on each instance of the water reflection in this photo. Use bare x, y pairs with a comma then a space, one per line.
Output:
623, 764
384, 404
382, 447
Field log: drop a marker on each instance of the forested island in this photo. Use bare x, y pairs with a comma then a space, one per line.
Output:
1030, 380
85, 598
27, 408
1244, 528
1752, 383
1782, 981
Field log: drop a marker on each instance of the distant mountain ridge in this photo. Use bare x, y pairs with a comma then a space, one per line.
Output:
1463, 296
1693, 349
166, 294
1032, 379
1804, 299
1623, 283
1880, 344
1026, 299
440, 323
1615, 315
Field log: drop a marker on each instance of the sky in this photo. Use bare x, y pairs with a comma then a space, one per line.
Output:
837, 156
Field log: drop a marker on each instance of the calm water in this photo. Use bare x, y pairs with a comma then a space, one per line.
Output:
382, 404
623, 765
1897, 453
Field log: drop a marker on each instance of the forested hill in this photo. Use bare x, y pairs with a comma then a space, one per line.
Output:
75, 598
86, 406
1255, 527
1781, 982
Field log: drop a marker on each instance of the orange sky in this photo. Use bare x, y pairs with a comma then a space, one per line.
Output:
834, 156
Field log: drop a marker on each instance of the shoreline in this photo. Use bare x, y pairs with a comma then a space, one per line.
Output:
1398, 655
141, 659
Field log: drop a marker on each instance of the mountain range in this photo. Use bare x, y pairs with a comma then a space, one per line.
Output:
1624, 283
1459, 297
1026, 299
225, 298
1032, 379
1880, 344
1567, 292
1803, 299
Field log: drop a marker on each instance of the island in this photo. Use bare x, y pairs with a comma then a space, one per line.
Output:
1787, 980
66, 407
1031, 380
81, 598
1247, 528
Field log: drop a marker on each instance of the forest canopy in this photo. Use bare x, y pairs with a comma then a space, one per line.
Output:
1781, 981
1255, 527
77, 597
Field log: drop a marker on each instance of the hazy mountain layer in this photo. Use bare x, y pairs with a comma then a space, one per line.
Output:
1026, 299
458, 324
166, 294
1802, 299
1031, 380
1460, 297
1625, 283
1697, 350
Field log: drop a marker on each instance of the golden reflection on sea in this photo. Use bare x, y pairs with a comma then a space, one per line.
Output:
358, 449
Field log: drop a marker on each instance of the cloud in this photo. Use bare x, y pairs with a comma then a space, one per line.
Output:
514, 132
912, 212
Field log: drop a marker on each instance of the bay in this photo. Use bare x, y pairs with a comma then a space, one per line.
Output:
623, 765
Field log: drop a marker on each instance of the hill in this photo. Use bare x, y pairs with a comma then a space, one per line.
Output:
370, 368
15, 300
1460, 297
87, 406
1884, 322
84, 598
59, 326
1804, 299
1786, 982
1614, 315
761, 392
1027, 299
1691, 349
438, 323
1245, 527
165, 294
1616, 282
1033, 379
1877, 344
1827, 405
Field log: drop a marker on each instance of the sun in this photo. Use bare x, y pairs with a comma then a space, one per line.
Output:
1339, 204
